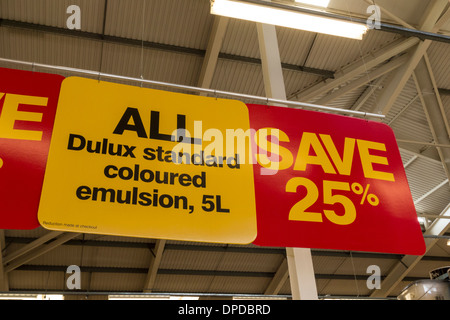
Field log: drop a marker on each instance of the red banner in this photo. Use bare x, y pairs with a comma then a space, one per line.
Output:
28, 103
331, 182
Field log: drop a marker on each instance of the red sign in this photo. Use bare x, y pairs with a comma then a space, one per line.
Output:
28, 103
331, 182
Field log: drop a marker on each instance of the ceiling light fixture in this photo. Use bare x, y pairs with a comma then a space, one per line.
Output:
282, 16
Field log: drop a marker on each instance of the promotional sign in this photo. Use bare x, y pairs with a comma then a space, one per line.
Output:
131, 161
28, 103
139, 162
331, 182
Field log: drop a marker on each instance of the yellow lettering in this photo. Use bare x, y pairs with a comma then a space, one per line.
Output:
367, 160
10, 114
344, 165
310, 140
275, 149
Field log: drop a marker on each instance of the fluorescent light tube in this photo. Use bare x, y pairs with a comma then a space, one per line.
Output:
318, 3
287, 18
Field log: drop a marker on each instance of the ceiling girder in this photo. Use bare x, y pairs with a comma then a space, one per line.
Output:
355, 69
433, 108
38, 251
31, 246
4, 280
363, 80
278, 280
371, 89
218, 31
392, 90
154, 265
407, 263
423, 77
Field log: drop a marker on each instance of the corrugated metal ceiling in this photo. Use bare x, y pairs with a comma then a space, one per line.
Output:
175, 37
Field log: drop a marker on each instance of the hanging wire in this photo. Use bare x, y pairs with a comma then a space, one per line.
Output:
354, 274
142, 40
293, 104
216, 268
370, 83
103, 42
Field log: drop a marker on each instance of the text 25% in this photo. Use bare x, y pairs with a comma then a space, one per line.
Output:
299, 212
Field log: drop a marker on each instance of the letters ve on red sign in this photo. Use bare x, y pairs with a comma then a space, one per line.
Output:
28, 102
331, 182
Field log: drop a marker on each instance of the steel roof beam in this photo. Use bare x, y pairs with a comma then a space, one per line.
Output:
155, 262
404, 108
217, 249
279, 279
364, 79
355, 69
434, 110
397, 83
430, 22
37, 252
212, 273
410, 161
218, 31
359, 67
6, 259
4, 281
31, 246
432, 158
407, 263
429, 193
371, 89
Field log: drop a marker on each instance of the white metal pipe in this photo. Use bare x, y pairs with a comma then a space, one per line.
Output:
197, 89
407, 164
443, 183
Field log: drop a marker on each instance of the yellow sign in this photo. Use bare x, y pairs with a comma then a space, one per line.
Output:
138, 162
